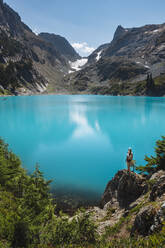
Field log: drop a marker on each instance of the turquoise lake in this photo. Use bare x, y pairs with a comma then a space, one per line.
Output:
81, 141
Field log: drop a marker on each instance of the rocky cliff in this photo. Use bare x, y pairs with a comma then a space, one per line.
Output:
123, 189
132, 205
122, 66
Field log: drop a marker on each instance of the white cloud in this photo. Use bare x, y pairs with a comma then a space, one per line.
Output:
83, 47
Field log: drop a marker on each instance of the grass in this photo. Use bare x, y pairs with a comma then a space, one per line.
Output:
110, 211
160, 80
111, 231
5, 92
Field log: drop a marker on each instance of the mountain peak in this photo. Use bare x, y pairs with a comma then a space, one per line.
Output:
119, 32
120, 27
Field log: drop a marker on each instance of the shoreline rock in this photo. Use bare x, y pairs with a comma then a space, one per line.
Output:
132, 205
123, 189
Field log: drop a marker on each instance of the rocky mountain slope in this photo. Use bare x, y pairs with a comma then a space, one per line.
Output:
122, 66
132, 64
28, 63
61, 45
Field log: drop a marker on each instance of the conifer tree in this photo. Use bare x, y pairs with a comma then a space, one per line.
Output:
155, 163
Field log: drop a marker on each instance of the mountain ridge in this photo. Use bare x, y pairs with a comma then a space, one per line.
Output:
21, 47
124, 64
61, 44
47, 63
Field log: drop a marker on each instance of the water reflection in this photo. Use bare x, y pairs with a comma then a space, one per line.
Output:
78, 116
81, 141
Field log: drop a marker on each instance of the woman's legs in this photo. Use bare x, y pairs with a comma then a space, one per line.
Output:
128, 166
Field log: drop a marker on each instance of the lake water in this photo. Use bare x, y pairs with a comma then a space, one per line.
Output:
81, 141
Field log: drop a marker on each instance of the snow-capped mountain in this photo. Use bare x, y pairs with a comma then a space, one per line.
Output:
123, 65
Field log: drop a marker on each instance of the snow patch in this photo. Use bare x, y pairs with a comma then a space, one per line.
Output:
155, 31
41, 87
146, 66
77, 65
36, 32
98, 55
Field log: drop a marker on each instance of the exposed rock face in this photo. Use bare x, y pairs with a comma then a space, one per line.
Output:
125, 62
158, 219
94, 56
128, 209
117, 68
143, 221
61, 45
119, 32
123, 189
20, 46
149, 219
158, 188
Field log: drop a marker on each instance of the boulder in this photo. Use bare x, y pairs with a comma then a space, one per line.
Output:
158, 219
158, 188
143, 221
123, 189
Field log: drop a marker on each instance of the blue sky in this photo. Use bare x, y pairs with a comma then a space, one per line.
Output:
88, 23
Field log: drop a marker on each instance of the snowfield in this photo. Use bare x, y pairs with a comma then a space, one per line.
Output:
77, 65
98, 55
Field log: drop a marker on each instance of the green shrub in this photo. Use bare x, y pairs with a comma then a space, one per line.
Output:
27, 216
64, 231
155, 163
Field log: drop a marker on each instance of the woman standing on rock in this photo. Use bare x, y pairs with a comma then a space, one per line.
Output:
129, 159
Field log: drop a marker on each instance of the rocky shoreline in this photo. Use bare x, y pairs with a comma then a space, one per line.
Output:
132, 203
78, 93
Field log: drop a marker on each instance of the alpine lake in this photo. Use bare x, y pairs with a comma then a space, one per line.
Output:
80, 141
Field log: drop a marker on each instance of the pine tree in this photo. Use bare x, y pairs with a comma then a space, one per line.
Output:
150, 86
155, 163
